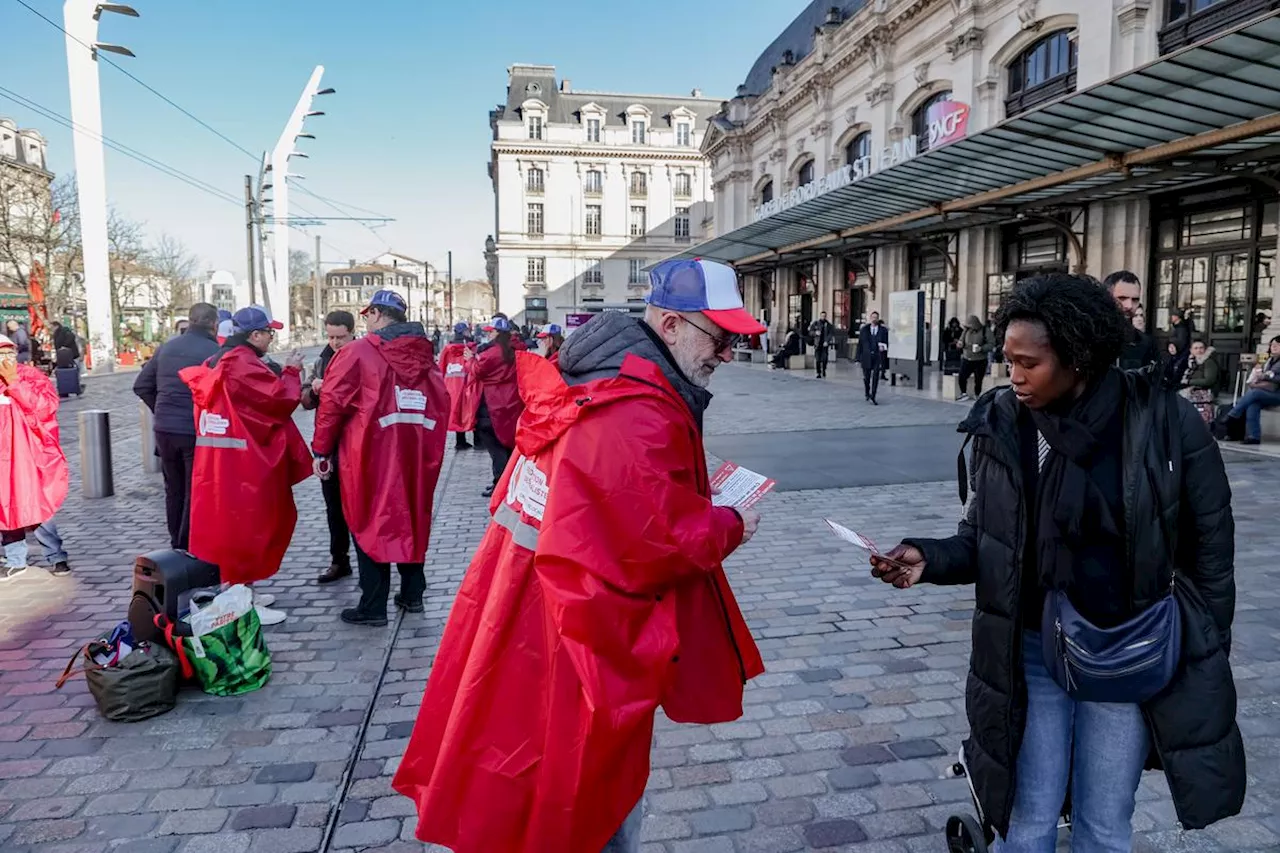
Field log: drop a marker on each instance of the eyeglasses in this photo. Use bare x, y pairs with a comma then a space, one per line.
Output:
722, 342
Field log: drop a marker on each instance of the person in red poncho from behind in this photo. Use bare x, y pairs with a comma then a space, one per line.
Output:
597, 594
249, 455
464, 395
384, 411
33, 483
494, 370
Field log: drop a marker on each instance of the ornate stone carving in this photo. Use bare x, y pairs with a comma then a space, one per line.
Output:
1027, 16
835, 161
851, 115
987, 88
880, 94
800, 145
897, 133
961, 7
968, 41
777, 154
1132, 16
878, 43
922, 73
764, 167
820, 129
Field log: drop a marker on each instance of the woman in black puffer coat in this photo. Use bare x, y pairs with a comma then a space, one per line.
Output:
1104, 485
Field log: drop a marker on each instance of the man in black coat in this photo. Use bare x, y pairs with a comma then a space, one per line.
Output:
873, 349
169, 399
1140, 349
820, 331
339, 327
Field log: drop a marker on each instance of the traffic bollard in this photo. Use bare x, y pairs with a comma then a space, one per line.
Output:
150, 461
95, 454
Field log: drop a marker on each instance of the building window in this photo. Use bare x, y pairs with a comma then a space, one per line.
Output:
684, 134
535, 220
535, 179
804, 175
638, 130
766, 193
593, 130
1042, 72
595, 220
920, 120
535, 127
639, 184
1191, 21
593, 184
998, 287
682, 223
636, 271
859, 148
536, 271
594, 273
639, 221
684, 185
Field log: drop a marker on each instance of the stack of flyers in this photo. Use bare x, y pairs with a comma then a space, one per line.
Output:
738, 487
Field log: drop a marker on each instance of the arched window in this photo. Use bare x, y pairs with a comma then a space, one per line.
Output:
920, 120
804, 175
766, 193
857, 149
1042, 72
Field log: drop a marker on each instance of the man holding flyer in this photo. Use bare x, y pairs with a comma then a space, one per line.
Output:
597, 594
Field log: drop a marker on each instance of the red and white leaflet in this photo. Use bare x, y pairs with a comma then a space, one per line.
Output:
739, 487
850, 536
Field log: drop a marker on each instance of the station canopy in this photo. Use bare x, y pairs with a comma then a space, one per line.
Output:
1205, 112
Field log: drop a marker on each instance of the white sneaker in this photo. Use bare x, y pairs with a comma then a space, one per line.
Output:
263, 599
8, 573
267, 616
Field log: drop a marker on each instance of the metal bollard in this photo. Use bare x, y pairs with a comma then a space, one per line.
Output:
95, 454
146, 428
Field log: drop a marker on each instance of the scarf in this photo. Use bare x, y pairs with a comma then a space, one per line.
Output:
1070, 508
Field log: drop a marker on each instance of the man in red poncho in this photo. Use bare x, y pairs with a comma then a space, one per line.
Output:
33, 484
384, 412
464, 395
597, 594
249, 454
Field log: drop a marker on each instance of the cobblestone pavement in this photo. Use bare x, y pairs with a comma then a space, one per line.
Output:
842, 746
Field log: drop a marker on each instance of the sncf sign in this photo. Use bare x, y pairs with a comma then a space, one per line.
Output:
948, 121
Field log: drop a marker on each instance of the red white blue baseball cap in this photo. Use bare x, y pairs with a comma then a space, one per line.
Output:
254, 318
386, 299
705, 286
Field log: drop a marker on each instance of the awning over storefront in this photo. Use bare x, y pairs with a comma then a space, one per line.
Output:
1205, 112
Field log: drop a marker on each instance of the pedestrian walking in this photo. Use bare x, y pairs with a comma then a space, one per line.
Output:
494, 369
33, 469
820, 330
464, 394
161, 388
547, 680
339, 329
1100, 517
873, 348
21, 340
1140, 349
384, 414
554, 336
249, 455
437, 339
975, 348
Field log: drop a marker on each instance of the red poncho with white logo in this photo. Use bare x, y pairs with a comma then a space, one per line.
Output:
34, 483
384, 409
464, 394
249, 454
596, 596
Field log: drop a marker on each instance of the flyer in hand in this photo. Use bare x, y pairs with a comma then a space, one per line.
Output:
739, 487
858, 539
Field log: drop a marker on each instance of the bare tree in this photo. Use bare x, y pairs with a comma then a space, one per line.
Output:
301, 287
127, 270
174, 270
39, 223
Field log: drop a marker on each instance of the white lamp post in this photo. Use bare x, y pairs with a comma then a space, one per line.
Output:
80, 20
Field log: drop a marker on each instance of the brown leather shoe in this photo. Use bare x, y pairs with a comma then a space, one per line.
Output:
335, 572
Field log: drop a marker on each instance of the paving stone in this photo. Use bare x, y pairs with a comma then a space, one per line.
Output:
704, 845
777, 840
264, 817
905, 749
833, 833
720, 821
285, 841
286, 773
222, 843
784, 812
196, 822
369, 833
867, 754
849, 778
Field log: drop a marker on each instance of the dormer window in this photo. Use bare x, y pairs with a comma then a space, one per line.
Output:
535, 127
593, 130
684, 134
8, 146
639, 129
639, 117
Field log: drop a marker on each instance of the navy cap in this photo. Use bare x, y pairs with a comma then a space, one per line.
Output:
223, 314
460, 328
499, 324
253, 319
386, 299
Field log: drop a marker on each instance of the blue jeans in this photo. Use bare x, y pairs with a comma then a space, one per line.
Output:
627, 839
1251, 406
1099, 747
18, 553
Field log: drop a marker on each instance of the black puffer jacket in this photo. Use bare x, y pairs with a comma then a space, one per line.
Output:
1174, 487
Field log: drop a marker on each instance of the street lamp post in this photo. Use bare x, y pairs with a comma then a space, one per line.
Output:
80, 21
277, 286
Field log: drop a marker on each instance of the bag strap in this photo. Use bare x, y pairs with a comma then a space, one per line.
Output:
67, 673
962, 471
162, 623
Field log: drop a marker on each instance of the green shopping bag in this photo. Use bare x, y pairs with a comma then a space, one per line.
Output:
226, 652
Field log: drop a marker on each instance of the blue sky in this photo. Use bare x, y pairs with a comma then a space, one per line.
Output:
406, 134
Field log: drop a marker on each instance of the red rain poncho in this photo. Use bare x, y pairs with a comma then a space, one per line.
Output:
249, 454
595, 597
34, 484
383, 410
464, 394
497, 381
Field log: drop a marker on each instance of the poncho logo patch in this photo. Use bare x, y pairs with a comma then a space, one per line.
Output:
213, 424
411, 400
528, 488
454, 369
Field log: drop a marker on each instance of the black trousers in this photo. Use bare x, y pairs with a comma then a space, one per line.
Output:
460, 439
375, 583
177, 459
822, 355
339, 532
499, 455
976, 369
871, 377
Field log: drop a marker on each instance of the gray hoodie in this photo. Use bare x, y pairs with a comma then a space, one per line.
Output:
596, 351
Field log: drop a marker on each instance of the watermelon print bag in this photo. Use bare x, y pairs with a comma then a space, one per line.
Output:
226, 652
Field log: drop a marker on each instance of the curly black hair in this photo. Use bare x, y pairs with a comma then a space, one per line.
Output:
1086, 327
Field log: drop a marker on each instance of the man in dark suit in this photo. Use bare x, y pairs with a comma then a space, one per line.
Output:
873, 349
820, 331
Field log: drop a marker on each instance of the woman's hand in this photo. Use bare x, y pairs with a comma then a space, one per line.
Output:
901, 566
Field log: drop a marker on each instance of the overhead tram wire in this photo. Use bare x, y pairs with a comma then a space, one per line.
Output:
131, 153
